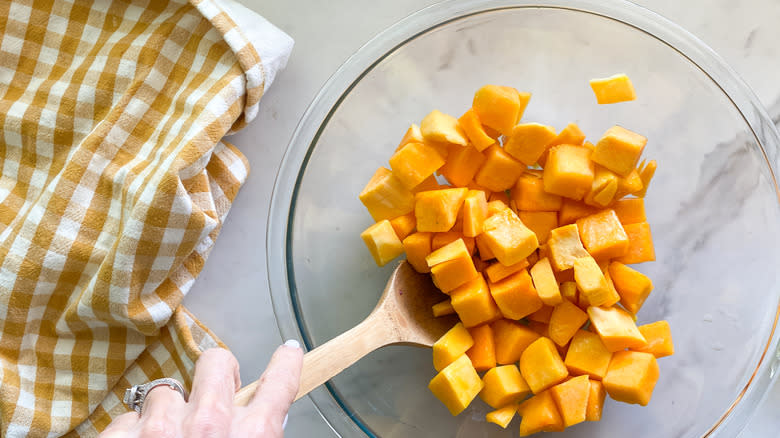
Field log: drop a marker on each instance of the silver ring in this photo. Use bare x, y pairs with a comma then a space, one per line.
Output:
136, 395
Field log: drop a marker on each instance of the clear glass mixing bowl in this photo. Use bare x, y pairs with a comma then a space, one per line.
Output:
713, 205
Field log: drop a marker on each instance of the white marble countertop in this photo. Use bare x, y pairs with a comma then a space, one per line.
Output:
744, 32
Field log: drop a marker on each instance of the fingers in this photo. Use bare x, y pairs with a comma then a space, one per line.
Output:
161, 413
214, 384
279, 383
121, 426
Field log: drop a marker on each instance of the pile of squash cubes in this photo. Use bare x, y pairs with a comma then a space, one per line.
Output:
529, 234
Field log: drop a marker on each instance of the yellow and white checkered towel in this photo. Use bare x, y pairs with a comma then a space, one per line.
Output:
114, 183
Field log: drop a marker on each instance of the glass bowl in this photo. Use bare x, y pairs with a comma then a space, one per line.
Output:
713, 205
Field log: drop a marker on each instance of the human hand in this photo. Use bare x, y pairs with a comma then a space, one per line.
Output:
209, 412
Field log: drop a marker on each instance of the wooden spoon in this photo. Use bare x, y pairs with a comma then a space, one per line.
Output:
403, 316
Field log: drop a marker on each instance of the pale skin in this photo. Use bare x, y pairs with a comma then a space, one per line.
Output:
209, 412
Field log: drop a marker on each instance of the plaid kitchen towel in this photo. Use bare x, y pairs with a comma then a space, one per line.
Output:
114, 183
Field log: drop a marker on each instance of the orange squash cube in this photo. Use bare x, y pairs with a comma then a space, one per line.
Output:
541, 365
629, 184
451, 274
475, 212
451, 346
385, 196
442, 128
456, 385
565, 320
412, 135
542, 315
569, 171
474, 303
442, 308
509, 240
502, 416
498, 197
565, 247
503, 385
529, 195
540, 414
614, 89
631, 377
603, 235
511, 339
616, 327
595, 401
630, 211
500, 107
500, 171
603, 188
633, 286
516, 295
472, 126
497, 272
646, 173
437, 210
451, 251
619, 150
572, 210
417, 247
483, 352
429, 184
571, 134
485, 253
382, 242
592, 283
545, 282
571, 397
640, 244
528, 141
587, 355
442, 239
415, 162
659, 339
462, 164
404, 225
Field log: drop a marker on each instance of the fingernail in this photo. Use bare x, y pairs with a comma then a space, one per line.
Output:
284, 423
292, 343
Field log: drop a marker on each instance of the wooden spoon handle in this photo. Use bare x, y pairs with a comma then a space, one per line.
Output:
333, 357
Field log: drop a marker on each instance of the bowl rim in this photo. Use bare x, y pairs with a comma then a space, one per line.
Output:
340, 84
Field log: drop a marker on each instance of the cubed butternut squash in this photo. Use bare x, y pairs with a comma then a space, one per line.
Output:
508, 238
483, 352
540, 414
437, 210
385, 197
571, 134
485, 253
565, 320
500, 107
631, 377
630, 210
542, 315
529, 195
415, 162
442, 239
616, 327
451, 274
619, 150
633, 286
569, 291
569, 171
572, 210
442, 128
497, 272
500, 171
571, 397
604, 187
659, 339
503, 385
602, 235
640, 244
595, 401
540, 222
502, 416
462, 164
417, 247
528, 141
474, 130
646, 172
475, 212
474, 303
542, 366
511, 339
587, 355
592, 283
545, 282
565, 247
456, 385
404, 225
451, 346
382, 242
450, 251
632, 183
442, 308
516, 295
412, 135
614, 89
